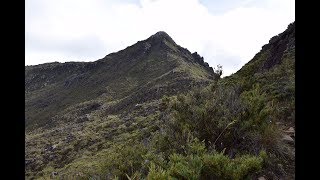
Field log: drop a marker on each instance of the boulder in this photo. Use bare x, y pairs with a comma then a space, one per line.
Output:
288, 139
290, 130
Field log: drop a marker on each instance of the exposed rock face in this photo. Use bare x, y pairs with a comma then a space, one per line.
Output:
199, 59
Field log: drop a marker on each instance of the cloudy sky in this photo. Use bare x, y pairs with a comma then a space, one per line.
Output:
226, 32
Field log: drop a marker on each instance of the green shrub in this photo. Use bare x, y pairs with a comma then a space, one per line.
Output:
185, 167
125, 160
208, 166
215, 165
220, 166
157, 173
164, 103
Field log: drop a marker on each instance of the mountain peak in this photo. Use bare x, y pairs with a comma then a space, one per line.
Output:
161, 35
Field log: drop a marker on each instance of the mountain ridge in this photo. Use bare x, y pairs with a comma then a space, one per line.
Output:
157, 55
156, 110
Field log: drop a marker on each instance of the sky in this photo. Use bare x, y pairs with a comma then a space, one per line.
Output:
225, 32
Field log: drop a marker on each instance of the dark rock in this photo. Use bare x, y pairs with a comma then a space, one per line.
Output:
197, 58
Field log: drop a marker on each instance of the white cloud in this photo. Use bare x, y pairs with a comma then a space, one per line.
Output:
86, 30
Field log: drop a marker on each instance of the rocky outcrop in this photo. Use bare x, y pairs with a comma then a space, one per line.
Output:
199, 59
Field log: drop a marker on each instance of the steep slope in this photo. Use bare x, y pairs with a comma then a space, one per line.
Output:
237, 127
272, 55
75, 107
273, 70
248, 116
268, 81
144, 71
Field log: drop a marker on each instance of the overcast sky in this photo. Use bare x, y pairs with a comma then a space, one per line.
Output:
226, 32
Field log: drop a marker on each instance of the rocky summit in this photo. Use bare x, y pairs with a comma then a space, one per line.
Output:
154, 110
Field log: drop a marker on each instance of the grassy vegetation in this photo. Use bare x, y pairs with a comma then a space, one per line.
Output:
171, 121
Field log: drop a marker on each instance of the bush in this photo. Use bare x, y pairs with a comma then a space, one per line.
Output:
185, 167
208, 166
157, 173
126, 160
235, 115
220, 166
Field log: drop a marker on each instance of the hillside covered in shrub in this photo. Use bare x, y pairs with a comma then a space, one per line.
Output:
156, 111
